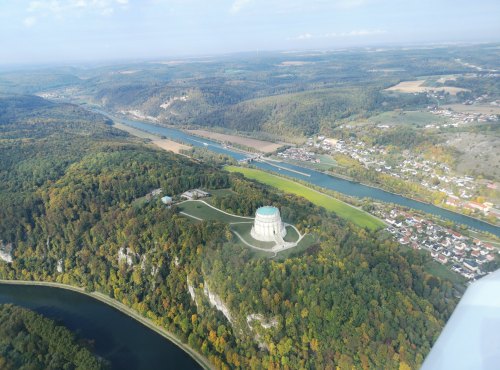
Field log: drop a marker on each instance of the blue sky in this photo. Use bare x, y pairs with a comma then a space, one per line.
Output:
91, 30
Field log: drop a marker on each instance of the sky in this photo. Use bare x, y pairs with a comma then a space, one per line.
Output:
60, 31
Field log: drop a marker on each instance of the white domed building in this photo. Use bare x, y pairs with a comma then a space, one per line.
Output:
268, 225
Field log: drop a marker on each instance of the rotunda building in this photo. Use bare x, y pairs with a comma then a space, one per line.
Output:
268, 225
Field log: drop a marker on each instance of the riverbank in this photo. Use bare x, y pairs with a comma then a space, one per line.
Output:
322, 180
200, 359
165, 144
344, 210
377, 187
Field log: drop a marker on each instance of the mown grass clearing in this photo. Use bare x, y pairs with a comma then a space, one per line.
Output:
244, 231
203, 211
340, 208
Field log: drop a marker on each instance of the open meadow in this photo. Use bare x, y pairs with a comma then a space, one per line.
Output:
340, 208
476, 108
201, 210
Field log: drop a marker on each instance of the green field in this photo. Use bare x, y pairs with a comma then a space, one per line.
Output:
443, 272
201, 210
340, 208
410, 118
244, 231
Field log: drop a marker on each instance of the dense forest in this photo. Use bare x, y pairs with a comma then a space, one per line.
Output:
72, 195
30, 341
282, 94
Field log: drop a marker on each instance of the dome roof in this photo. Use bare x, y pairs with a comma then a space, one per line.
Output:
267, 211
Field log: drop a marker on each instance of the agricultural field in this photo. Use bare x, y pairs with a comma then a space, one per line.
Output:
170, 145
418, 86
410, 118
164, 144
475, 108
260, 145
340, 208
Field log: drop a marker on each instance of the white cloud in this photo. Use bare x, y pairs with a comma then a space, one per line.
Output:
355, 33
60, 8
349, 4
238, 5
304, 36
299, 6
29, 21
333, 35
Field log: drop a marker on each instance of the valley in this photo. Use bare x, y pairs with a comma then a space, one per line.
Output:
218, 199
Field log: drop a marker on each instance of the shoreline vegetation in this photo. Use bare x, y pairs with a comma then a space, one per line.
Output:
101, 297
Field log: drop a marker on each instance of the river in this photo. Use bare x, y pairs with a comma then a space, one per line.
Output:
124, 342
314, 177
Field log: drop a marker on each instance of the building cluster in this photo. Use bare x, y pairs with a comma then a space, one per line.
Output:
458, 252
457, 119
194, 194
486, 208
299, 154
434, 176
153, 193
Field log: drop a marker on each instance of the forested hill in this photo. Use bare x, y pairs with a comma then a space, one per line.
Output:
72, 203
282, 94
31, 341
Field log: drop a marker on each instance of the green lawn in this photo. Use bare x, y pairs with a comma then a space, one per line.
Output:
291, 235
342, 209
244, 231
444, 272
303, 245
243, 226
201, 210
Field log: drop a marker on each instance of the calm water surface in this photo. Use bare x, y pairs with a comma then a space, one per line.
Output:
315, 177
121, 340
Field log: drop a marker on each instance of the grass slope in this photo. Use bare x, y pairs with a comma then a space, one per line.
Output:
342, 209
201, 210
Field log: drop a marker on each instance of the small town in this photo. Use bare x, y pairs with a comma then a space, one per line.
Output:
457, 119
460, 191
461, 254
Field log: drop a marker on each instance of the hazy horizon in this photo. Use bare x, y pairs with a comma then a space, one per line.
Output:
82, 31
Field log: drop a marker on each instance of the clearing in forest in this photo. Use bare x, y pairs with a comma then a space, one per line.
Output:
241, 227
417, 87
